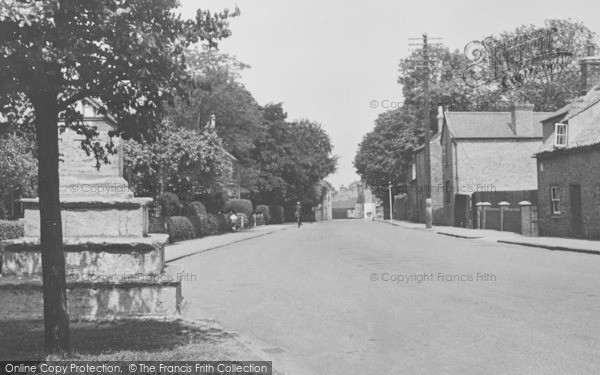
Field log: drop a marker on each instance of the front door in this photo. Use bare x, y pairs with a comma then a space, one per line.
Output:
576, 216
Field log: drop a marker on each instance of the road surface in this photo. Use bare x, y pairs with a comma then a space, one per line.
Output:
355, 297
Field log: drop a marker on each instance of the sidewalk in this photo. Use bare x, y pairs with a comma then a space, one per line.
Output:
551, 243
186, 248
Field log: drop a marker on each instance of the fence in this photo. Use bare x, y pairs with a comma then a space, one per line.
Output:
522, 220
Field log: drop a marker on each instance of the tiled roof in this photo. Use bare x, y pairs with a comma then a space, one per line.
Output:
589, 136
584, 102
561, 111
490, 125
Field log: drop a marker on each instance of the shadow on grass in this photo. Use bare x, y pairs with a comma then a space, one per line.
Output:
121, 340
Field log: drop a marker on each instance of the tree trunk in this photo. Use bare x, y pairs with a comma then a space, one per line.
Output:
56, 318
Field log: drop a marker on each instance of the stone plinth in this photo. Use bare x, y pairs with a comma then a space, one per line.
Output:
22, 298
113, 267
97, 217
89, 257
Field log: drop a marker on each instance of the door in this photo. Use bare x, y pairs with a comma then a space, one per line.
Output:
461, 210
576, 215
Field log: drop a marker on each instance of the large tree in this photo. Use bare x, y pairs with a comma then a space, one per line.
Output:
127, 53
384, 153
291, 159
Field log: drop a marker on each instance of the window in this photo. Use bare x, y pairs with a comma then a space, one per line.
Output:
561, 135
555, 199
448, 153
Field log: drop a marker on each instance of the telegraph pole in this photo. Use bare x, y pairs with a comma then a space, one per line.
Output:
391, 208
426, 128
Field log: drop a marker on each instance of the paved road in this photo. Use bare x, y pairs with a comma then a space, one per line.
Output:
306, 296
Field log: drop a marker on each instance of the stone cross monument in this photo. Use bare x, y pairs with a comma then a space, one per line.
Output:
114, 267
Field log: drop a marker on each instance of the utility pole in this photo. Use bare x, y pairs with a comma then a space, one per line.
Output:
391, 208
426, 126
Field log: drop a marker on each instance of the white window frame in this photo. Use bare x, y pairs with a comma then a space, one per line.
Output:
562, 139
555, 200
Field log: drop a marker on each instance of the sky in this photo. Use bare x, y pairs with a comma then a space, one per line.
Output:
336, 62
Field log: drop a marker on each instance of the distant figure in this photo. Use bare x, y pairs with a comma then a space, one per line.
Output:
298, 214
233, 219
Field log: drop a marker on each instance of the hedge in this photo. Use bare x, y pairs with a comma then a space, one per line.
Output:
180, 228
238, 205
217, 223
169, 205
262, 209
11, 229
277, 216
157, 225
198, 207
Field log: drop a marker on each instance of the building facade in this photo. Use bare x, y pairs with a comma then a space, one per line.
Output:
487, 151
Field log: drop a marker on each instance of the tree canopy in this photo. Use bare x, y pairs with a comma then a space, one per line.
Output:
129, 54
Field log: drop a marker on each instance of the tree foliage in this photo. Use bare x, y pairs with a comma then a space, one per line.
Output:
292, 158
384, 153
129, 54
180, 161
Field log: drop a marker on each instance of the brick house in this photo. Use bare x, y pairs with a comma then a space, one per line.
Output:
568, 164
486, 151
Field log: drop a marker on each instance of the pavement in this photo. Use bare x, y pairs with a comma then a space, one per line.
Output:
185, 249
356, 297
550, 243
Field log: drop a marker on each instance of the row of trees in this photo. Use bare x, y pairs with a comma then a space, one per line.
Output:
158, 74
279, 160
385, 152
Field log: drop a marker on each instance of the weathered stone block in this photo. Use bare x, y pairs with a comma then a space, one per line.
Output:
91, 258
23, 298
102, 217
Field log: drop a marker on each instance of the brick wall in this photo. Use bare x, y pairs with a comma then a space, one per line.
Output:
562, 170
501, 165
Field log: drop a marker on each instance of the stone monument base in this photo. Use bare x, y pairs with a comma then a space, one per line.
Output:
96, 300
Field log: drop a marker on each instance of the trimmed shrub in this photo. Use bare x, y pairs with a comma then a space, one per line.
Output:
238, 205
212, 224
260, 219
180, 228
11, 229
239, 221
169, 205
223, 221
201, 225
277, 216
198, 207
157, 225
262, 209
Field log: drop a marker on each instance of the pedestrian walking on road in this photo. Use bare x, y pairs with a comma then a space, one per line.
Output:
298, 214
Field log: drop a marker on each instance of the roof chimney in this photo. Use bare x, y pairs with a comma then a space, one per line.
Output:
522, 119
590, 70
